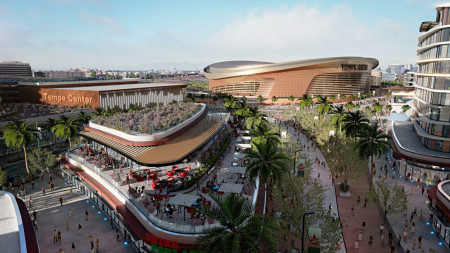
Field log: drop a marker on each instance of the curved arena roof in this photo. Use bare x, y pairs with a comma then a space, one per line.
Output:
240, 68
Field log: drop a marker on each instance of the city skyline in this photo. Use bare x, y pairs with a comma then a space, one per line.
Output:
62, 34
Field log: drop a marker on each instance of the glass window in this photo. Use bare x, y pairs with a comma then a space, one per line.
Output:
447, 84
435, 113
446, 131
438, 145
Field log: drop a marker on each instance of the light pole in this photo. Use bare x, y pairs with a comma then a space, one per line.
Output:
295, 158
303, 228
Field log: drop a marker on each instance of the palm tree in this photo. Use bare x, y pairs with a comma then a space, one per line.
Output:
260, 99
133, 108
239, 230
230, 103
338, 116
324, 105
266, 161
254, 117
264, 134
349, 106
274, 99
100, 111
372, 142
291, 98
83, 118
405, 108
377, 107
66, 127
49, 126
352, 97
354, 121
305, 101
332, 97
18, 134
343, 97
110, 112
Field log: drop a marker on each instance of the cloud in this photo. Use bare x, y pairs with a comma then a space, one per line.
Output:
302, 32
107, 25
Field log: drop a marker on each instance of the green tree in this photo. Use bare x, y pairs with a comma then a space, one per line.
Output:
405, 108
93, 74
391, 197
332, 97
263, 134
338, 113
260, 99
343, 97
266, 161
254, 118
341, 157
40, 160
353, 122
388, 108
3, 177
306, 194
372, 143
239, 230
83, 118
291, 98
230, 103
66, 127
305, 101
349, 106
274, 99
377, 107
18, 134
352, 97
323, 105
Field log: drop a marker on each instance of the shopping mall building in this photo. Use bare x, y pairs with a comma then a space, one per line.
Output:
422, 144
323, 76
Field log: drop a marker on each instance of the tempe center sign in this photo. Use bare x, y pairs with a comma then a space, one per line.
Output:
70, 98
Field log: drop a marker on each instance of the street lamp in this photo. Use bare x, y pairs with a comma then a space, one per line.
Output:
295, 158
303, 228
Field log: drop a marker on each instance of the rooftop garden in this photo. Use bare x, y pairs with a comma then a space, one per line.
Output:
9, 111
150, 120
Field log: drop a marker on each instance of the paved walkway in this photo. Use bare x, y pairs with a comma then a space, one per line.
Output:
51, 215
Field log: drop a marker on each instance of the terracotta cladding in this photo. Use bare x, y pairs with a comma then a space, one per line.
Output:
59, 96
287, 82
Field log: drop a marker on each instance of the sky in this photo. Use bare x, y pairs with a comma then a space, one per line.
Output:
191, 34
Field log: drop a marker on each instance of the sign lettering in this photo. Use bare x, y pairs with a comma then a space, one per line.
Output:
353, 67
70, 98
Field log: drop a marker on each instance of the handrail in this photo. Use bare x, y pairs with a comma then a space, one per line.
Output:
166, 225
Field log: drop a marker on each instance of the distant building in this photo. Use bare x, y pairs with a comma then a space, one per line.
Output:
375, 79
409, 79
14, 68
395, 69
390, 77
59, 74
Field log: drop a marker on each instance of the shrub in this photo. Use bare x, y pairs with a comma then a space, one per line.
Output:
344, 187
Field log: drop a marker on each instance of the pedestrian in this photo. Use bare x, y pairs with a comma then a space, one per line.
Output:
55, 235
363, 225
381, 229
390, 237
60, 200
70, 190
392, 248
52, 186
32, 184
414, 243
365, 202
413, 229
423, 189
318, 175
29, 204
73, 247
79, 228
360, 236
59, 236
421, 216
97, 244
43, 191
117, 234
356, 245
420, 242
405, 236
91, 240
69, 213
406, 223
358, 200
399, 240
67, 225
382, 240
370, 241
86, 214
